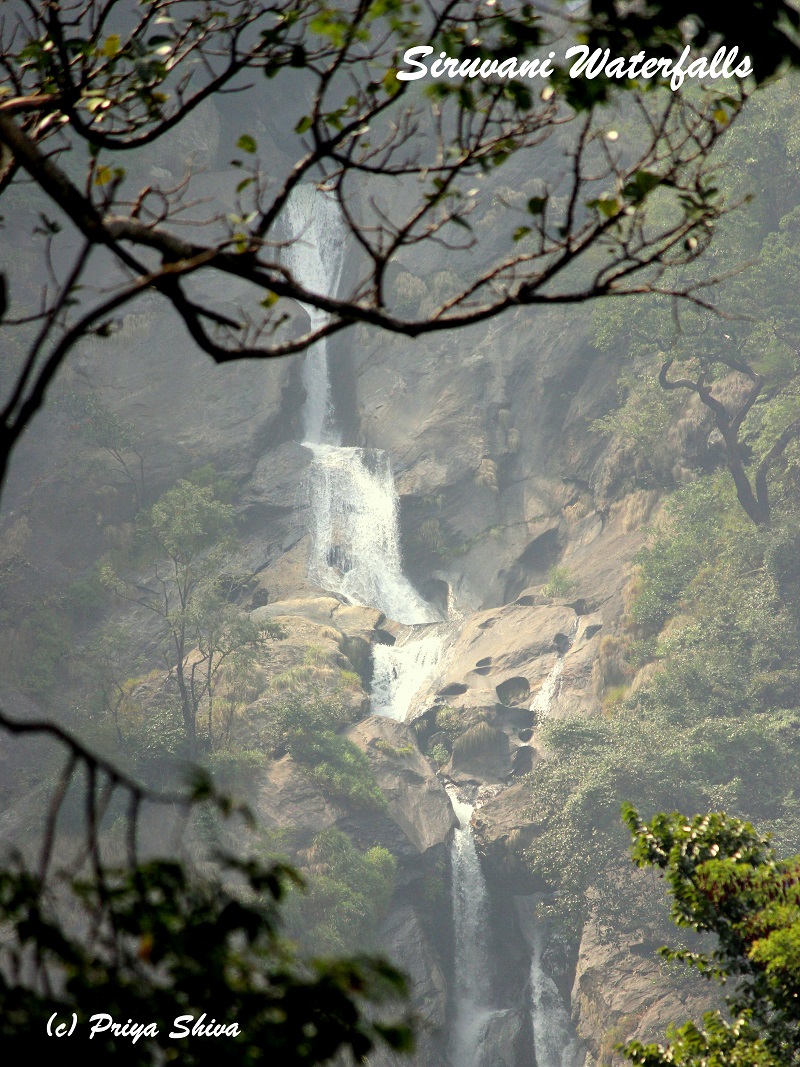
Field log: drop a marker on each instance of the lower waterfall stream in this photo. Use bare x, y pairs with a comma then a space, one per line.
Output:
472, 992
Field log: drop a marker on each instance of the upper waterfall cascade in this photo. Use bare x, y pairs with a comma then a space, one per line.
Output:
316, 258
355, 535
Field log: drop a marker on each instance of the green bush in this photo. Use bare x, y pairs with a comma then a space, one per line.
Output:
715, 727
558, 582
340, 768
348, 893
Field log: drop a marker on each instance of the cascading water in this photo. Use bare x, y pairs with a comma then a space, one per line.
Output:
472, 976
400, 671
553, 1039
355, 549
548, 694
316, 257
355, 552
547, 697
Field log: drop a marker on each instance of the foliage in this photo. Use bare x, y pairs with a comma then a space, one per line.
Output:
558, 582
40, 636
643, 419
714, 722
338, 766
348, 892
725, 879
683, 543
742, 367
167, 943
189, 530
102, 428
439, 754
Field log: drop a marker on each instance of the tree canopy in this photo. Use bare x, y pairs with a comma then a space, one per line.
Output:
725, 880
91, 93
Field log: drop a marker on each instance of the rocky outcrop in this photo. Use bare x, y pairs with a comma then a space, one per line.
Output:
416, 798
622, 991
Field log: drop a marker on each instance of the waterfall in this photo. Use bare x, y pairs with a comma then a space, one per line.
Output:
553, 1041
548, 694
315, 255
472, 993
355, 549
355, 535
547, 697
400, 671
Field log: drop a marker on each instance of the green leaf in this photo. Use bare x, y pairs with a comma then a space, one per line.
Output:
247, 144
606, 205
243, 184
520, 232
536, 205
110, 47
303, 125
640, 185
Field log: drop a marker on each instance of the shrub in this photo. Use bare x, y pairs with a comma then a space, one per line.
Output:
348, 893
558, 582
480, 738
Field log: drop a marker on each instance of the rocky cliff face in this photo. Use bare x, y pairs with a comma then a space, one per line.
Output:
500, 479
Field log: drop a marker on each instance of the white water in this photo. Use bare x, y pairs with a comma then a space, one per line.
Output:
552, 1037
315, 256
554, 1045
472, 993
355, 536
400, 671
547, 698
548, 695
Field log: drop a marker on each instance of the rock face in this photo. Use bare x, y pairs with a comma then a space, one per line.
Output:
500, 479
621, 992
417, 800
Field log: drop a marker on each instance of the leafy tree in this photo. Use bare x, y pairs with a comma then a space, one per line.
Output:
189, 529
348, 893
102, 428
741, 365
725, 880
90, 94
150, 940
308, 730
